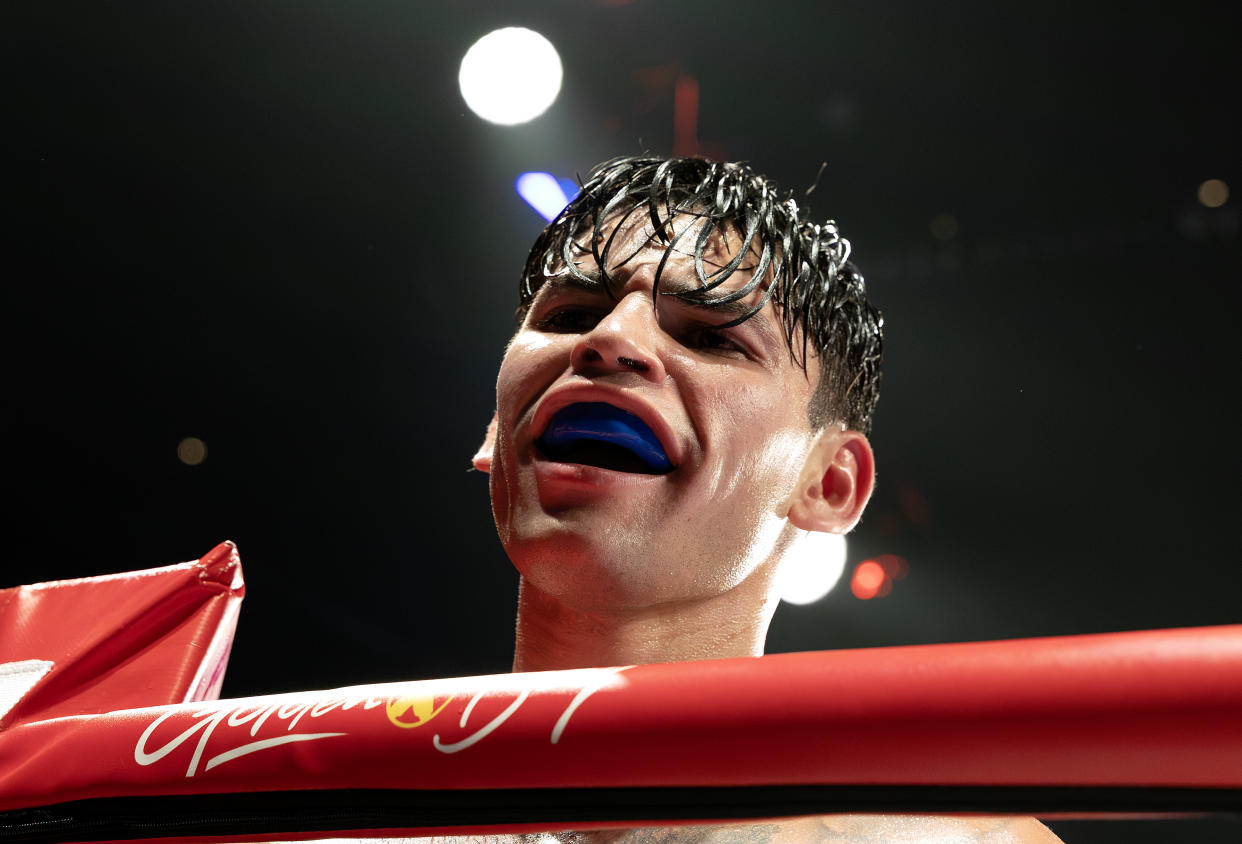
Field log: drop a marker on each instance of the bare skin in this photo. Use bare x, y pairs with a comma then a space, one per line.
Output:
828, 829
622, 569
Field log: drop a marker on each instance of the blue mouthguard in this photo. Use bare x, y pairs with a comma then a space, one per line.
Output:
605, 423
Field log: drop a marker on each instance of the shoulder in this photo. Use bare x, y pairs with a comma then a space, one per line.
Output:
828, 829
926, 829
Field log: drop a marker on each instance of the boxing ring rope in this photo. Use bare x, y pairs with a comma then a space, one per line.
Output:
1133, 723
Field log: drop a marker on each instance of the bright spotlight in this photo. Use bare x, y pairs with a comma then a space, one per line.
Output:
543, 192
816, 567
510, 76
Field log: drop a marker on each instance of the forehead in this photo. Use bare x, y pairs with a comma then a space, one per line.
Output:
684, 236
628, 242
685, 257
701, 262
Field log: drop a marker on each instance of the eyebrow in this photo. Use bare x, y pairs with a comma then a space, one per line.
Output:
594, 283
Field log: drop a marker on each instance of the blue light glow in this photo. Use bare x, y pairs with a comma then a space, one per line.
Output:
543, 192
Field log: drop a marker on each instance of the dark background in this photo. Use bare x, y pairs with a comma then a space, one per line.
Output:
276, 227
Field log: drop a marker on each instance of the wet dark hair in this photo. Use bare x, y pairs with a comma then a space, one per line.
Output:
813, 283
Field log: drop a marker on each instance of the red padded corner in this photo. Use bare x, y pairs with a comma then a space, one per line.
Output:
140, 638
222, 565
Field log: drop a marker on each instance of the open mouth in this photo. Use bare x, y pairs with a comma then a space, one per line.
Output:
598, 434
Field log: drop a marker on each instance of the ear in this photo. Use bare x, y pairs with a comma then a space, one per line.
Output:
482, 459
836, 483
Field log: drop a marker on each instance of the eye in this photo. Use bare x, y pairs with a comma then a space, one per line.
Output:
712, 340
569, 320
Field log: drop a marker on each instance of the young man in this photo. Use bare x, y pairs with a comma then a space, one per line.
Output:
683, 408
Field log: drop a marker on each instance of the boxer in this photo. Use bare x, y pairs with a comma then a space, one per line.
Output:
682, 410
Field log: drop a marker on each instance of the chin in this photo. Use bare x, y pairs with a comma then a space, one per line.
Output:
591, 572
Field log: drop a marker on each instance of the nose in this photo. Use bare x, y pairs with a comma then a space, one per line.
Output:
627, 339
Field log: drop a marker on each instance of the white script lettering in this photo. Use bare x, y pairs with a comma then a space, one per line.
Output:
256, 716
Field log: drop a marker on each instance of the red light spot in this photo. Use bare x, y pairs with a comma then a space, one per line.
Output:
685, 116
868, 580
913, 504
895, 567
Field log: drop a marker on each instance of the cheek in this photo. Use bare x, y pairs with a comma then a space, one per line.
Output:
766, 480
499, 489
784, 456
531, 363
738, 521
762, 432
530, 360
770, 471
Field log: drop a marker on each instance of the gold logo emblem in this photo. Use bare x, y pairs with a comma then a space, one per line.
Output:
407, 712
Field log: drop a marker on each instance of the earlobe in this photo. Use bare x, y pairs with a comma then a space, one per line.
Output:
836, 483
482, 459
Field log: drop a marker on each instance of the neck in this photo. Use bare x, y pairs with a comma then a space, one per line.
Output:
553, 635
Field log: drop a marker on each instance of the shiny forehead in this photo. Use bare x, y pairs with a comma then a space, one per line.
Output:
730, 260
681, 271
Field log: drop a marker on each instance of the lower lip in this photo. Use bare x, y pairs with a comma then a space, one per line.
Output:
576, 474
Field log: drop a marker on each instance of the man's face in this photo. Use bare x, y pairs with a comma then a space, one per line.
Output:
728, 406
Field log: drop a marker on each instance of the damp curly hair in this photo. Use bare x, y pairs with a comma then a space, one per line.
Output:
819, 294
